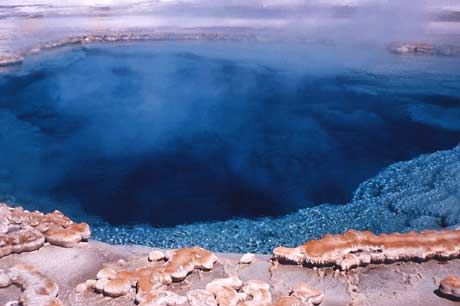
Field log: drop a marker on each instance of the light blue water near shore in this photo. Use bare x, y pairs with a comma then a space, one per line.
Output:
233, 145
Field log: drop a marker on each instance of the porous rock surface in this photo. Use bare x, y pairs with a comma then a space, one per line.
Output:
401, 283
150, 279
450, 286
151, 283
355, 248
37, 289
25, 231
301, 294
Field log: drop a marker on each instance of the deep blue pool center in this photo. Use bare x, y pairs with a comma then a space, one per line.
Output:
146, 138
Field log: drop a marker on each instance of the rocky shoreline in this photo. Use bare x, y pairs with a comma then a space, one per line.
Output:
15, 59
26, 29
10, 60
424, 49
401, 269
401, 283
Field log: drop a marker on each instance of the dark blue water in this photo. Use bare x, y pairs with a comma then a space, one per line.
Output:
176, 133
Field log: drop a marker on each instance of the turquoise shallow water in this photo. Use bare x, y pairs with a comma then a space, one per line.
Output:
232, 145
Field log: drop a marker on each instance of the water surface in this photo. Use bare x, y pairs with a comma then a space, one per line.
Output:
179, 132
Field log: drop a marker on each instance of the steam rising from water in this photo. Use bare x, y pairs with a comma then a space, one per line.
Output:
376, 21
170, 133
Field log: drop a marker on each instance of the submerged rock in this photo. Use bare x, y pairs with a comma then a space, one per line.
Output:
417, 194
425, 186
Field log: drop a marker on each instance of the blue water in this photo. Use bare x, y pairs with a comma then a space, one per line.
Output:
163, 134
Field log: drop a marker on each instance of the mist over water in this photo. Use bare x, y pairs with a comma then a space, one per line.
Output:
179, 132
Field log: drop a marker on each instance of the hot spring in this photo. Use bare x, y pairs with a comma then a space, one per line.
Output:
231, 145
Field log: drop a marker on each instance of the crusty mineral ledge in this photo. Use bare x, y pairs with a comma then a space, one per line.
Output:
8, 60
37, 289
397, 284
114, 37
354, 248
450, 286
150, 284
424, 48
301, 294
25, 231
98, 274
150, 279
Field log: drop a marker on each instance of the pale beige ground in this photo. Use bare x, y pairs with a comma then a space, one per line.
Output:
394, 284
